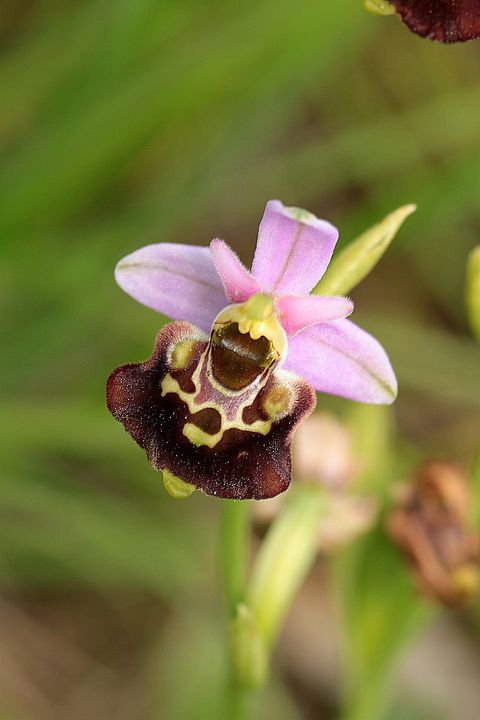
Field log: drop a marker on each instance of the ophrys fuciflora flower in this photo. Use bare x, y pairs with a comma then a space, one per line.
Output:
216, 405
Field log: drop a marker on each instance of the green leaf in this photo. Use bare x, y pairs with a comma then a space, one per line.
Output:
284, 559
381, 611
475, 480
354, 263
472, 291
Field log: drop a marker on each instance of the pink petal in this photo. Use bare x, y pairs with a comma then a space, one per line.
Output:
239, 285
340, 358
179, 281
293, 250
297, 313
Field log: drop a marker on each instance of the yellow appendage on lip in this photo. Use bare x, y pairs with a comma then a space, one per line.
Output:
276, 402
379, 7
181, 354
175, 486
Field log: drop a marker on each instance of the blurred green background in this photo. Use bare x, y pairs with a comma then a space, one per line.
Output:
137, 121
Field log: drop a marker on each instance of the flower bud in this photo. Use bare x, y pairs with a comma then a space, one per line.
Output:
323, 452
348, 517
324, 460
430, 525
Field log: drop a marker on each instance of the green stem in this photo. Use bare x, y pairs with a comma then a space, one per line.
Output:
234, 533
237, 707
234, 545
282, 563
370, 701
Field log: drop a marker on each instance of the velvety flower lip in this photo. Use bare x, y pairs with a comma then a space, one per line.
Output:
230, 445
447, 21
293, 251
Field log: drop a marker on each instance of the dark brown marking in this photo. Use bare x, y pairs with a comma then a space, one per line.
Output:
237, 360
209, 420
254, 412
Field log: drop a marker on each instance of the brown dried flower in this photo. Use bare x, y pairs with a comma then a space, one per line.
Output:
431, 526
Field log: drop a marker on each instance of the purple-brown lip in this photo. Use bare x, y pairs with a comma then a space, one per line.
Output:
238, 462
448, 21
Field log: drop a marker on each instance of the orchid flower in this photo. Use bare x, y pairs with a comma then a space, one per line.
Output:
216, 405
447, 21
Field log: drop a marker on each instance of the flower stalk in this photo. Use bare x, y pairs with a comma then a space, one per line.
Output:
234, 548
257, 609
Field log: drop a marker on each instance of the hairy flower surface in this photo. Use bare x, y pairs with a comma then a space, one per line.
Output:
216, 405
447, 21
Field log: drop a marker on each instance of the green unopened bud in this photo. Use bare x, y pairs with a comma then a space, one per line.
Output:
472, 291
356, 261
175, 486
248, 651
379, 7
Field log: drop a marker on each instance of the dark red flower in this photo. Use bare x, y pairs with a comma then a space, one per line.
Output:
447, 21
212, 414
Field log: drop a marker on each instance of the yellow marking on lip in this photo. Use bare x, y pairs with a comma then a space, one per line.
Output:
199, 437
169, 385
193, 433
